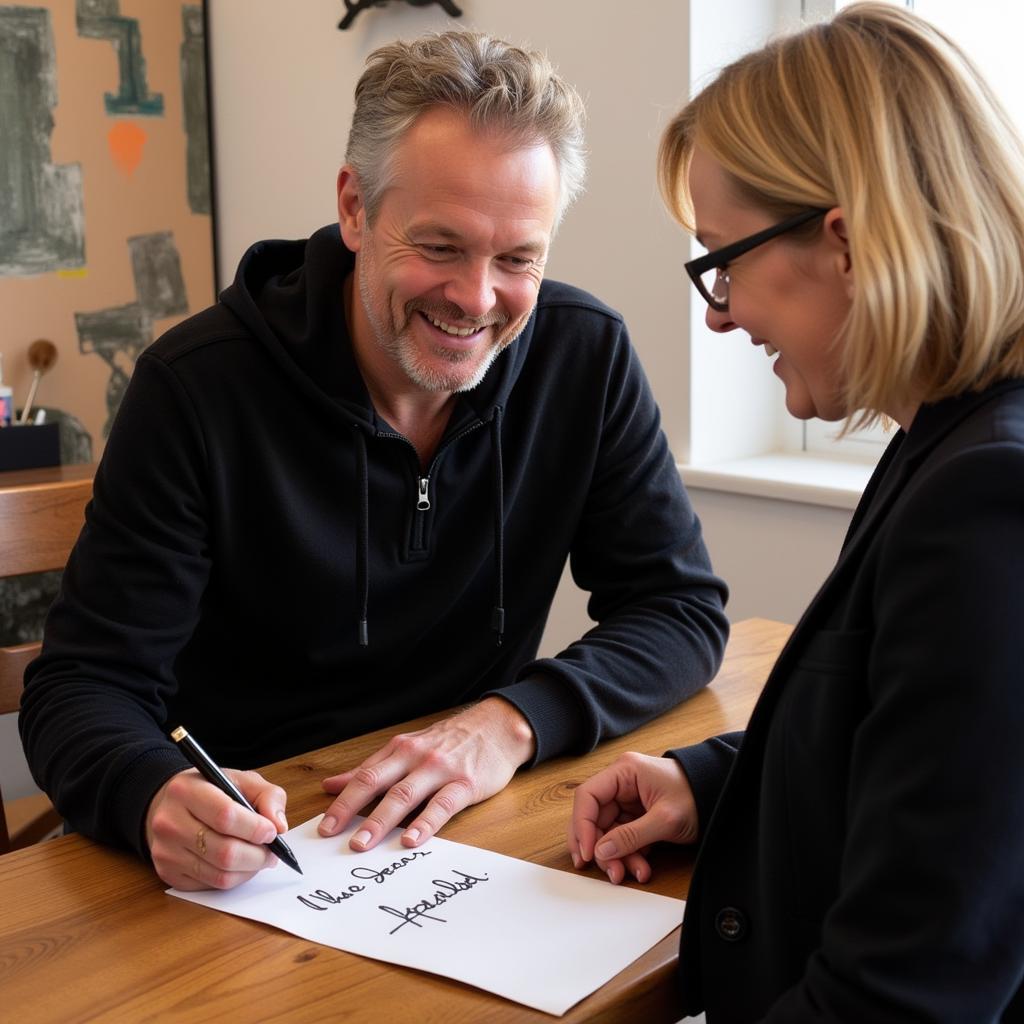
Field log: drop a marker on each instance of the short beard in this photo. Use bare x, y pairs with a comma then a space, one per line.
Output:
404, 351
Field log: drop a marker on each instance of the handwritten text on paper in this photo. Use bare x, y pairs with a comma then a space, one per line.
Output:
445, 890
561, 936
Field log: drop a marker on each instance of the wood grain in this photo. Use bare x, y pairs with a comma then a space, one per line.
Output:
41, 514
88, 933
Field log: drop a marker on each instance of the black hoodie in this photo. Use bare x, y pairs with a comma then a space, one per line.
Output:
265, 562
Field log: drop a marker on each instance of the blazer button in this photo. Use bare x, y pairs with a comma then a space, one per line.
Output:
731, 924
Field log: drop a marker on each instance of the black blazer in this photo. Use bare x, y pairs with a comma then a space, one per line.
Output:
864, 857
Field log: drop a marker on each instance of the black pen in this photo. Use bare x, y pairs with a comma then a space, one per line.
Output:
201, 759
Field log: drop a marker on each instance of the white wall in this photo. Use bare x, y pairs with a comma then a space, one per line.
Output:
773, 554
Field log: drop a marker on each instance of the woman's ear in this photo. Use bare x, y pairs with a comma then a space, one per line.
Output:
351, 211
838, 240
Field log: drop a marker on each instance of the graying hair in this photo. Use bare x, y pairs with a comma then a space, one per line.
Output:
496, 85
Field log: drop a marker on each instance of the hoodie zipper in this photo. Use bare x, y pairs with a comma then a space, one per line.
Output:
423, 494
423, 502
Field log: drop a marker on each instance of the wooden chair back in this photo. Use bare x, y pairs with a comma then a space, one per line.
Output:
41, 515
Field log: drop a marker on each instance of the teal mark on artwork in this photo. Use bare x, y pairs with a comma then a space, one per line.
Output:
102, 19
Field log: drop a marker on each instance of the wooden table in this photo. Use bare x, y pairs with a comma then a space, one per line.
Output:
87, 933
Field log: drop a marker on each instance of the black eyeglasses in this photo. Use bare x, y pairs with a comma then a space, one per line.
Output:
710, 272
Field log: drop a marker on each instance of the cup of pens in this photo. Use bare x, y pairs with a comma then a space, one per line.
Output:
30, 442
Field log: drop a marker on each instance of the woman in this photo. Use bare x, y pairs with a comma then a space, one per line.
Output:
862, 845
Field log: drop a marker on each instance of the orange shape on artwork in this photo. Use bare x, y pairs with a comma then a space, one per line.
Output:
126, 140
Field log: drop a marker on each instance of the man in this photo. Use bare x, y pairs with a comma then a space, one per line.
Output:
342, 498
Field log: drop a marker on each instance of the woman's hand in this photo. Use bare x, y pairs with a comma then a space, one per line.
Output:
617, 815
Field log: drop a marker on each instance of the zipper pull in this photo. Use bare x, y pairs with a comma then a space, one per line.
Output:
423, 497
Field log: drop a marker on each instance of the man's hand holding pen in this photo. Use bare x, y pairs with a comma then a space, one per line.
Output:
199, 838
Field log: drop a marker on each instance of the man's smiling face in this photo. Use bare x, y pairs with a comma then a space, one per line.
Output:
448, 273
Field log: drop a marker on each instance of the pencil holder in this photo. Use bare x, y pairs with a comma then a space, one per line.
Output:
29, 446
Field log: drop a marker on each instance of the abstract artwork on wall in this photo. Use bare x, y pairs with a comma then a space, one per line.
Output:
42, 225
106, 226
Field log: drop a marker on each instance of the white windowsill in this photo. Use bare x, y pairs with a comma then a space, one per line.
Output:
786, 476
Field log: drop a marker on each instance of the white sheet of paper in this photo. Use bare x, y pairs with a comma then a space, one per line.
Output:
541, 937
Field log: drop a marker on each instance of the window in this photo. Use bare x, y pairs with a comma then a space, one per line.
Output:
738, 421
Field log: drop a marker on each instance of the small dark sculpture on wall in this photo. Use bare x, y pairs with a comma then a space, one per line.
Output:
353, 7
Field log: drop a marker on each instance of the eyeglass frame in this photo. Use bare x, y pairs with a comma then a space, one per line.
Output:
720, 257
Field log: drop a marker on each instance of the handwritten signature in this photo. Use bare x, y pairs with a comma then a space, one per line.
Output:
378, 876
364, 873
442, 894
330, 899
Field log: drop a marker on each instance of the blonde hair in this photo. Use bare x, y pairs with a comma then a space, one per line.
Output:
497, 86
879, 113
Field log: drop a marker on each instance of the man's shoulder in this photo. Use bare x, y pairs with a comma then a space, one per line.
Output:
203, 330
557, 296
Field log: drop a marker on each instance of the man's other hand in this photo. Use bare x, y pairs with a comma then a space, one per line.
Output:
454, 763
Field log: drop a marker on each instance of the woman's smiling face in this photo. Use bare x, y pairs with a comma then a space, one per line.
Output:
792, 296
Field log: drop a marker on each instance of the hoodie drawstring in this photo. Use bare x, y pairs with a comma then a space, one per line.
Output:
498, 612
363, 541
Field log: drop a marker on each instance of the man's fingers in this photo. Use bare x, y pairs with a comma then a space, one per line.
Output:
196, 874
269, 800
446, 803
336, 783
217, 811
194, 855
367, 781
428, 783
271, 804
227, 854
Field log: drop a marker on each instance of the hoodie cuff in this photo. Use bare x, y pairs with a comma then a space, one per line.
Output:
552, 712
137, 788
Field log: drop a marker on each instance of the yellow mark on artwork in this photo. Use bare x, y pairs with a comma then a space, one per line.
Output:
126, 140
75, 272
